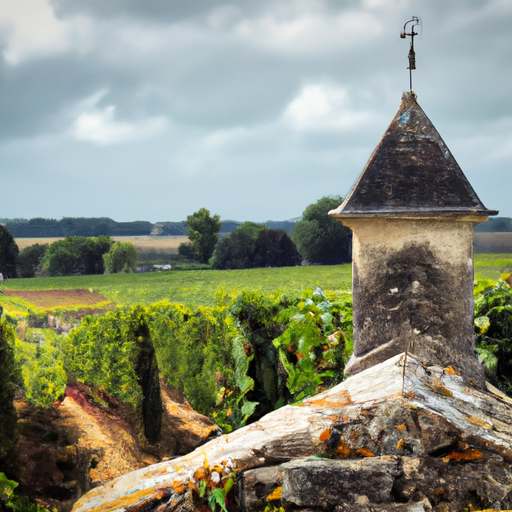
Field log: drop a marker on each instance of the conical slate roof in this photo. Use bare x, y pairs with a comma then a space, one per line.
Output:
412, 171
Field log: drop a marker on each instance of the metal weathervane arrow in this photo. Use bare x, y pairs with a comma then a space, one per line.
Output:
412, 55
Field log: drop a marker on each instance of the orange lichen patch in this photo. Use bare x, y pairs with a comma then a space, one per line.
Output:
451, 371
402, 427
340, 400
124, 501
178, 487
364, 452
365, 412
342, 450
200, 474
156, 472
480, 422
441, 389
440, 492
192, 486
470, 454
325, 435
401, 444
410, 395
276, 494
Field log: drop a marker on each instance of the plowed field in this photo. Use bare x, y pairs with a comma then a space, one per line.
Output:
58, 298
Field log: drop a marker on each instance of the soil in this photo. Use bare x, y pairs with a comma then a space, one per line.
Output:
58, 298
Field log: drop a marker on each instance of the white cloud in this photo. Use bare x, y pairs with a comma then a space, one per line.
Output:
309, 31
99, 125
30, 28
321, 107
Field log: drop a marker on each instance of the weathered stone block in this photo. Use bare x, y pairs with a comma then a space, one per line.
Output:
257, 487
327, 483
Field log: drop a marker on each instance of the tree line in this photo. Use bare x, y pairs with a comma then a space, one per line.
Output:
75, 226
96, 226
75, 255
316, 239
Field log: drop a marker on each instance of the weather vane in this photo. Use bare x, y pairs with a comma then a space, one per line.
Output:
412, 56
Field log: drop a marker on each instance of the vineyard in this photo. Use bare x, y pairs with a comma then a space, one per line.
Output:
238, 343
192, 287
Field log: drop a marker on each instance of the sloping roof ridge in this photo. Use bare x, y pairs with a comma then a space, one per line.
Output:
415, 167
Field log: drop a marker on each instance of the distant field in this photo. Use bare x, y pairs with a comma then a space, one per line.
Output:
193, 286
200, 286
47, 299
497, 243
143, 244
22, 243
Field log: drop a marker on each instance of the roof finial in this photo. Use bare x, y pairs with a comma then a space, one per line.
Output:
412, 56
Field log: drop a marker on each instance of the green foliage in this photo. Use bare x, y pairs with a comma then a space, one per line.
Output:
315, 343
76, 255
203, 232
8, 254
115, 353
101, 353
253, 245
122, 257
236, 251
9, 380
42, 367
13, 501
186, 250
319, 237
257, 315
76, 226
194, 351
274, 248
195, 286
493, 329
30, 259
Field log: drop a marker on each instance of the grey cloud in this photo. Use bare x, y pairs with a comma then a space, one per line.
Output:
223, 84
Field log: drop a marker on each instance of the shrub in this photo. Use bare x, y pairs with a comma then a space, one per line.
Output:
122, 257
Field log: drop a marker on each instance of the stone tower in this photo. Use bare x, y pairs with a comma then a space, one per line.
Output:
412, 213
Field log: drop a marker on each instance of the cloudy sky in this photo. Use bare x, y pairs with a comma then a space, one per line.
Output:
152, 109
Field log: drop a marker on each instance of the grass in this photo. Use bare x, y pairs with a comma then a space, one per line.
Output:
195, 286
200, 286
491, 266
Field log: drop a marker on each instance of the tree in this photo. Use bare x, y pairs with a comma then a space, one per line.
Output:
8, 254
253, 245
30, 258
274, 248
203, 232
76, 255
122, 257
236, 250
319, 237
